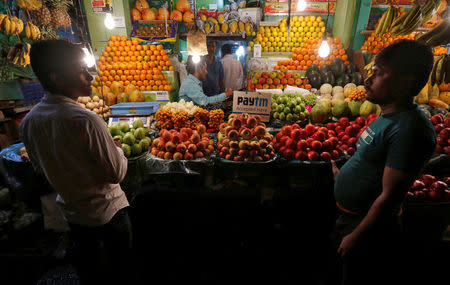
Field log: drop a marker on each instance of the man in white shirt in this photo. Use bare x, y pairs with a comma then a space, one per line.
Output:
73, 148
232, 68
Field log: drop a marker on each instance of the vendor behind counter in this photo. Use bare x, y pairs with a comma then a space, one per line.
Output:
191, 89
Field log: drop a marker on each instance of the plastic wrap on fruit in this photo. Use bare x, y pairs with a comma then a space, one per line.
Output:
233, 15
227, 8
156, 165
233, 6
200, 24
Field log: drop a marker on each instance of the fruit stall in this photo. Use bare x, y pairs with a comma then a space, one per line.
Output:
311, 57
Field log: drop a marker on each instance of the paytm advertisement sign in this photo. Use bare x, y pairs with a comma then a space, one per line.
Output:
253, 103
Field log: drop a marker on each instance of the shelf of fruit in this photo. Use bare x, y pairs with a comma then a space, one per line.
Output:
178, 115
186, 144
135, 140
244, 138
290, 107
308, 55
276, 80
374, 43
428, 187
95, 104
442, 129
117, 93
127, 62
181, 13
302, 30
321, 142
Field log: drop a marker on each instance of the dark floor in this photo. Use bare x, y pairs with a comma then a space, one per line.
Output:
234, 236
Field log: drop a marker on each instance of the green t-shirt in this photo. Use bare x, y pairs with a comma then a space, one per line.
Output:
403, 140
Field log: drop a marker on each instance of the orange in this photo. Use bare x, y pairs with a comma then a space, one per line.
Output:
155, 87
148, 88
110, 78
112, 72
158, 58
159, 47
126, 72
123, 38
168, 63
117, 78
171, 68
148, 77
142, 88
136, 77
142, 77
161, 87
133, 58
108, 83
122, 44
148, 52
123, 77
151, 82
156, 52
158, 82
129, 43
167, 87
163, 52
145, 82
152, 64
140, 58
130, 77
152, 47
153, 58
146, 47
104, 78
138, 47
162, 63
136, 53
132, 48
139, 83
149, 72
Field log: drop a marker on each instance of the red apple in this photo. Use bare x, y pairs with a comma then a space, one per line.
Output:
428, 179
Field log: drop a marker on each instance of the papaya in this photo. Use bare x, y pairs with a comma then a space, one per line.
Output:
445, 96
433, 91
367, 108
319, 114
354, 107
422, 97
340, 109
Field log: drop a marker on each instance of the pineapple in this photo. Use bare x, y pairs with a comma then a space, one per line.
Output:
48, 32
60, 17
43, 16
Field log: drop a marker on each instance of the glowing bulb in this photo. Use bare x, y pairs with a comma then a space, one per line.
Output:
240, 51
196, 58
88, 58
301, 5
324, 49
109, 22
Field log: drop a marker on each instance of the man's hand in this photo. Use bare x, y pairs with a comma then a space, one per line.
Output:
117, 142
334, 169
347, 244
229, 93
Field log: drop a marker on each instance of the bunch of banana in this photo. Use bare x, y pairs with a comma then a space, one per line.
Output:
32, 31
20, 54
11, 25
368, 68
408, 22
29, 4
439, 35
385, 23
441, 70
429, 9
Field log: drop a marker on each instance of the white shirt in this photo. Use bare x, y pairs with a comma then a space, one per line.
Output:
234, 75
73, 148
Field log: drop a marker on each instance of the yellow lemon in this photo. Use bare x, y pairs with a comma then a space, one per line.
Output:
265, 49
275, 33
315, 24
296, 44
282, 49
308, 24
312, 18
268, 44
265, 39
250, 43
321, 24
285, 44
297, 34
271, 39
282, 39
295, 18
297, 24
294, 29
301, 18
271, 49
322, 29
319, 19
279, 44
317, 30
311, 29
314, 35
300, 29
303, 24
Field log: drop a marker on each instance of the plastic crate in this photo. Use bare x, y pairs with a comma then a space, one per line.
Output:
137, 108
32, 92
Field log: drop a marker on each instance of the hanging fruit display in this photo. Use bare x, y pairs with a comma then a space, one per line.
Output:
58, 11
375, 43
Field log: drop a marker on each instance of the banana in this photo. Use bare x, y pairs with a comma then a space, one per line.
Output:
2, 17
444, 25
440, 70
6, 25
19, 25
381, 24
28, 30
433, 74
387, 20
212, 20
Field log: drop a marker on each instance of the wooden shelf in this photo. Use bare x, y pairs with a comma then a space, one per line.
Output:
23, 109
421, 29
222, 36
385, 6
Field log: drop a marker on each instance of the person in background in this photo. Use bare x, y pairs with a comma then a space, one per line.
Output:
74, 149
191, 88
232, 69
371, 186
213, 84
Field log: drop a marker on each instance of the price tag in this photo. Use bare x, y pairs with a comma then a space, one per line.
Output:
257, 51
119, 22
162, 96
253, 103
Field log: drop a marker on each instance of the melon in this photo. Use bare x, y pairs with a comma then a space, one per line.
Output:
367, 108
354, 107
340, 109
337, 89
348, 89
319, 114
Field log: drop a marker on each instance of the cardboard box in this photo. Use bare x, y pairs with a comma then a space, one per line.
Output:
254, 13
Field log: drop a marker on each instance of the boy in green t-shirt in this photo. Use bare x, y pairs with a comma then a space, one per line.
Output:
371, 186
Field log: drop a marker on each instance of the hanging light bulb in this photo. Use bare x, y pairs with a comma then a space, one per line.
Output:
301, 5
109, 21
88, 58
196, 58
324, 49
240, 51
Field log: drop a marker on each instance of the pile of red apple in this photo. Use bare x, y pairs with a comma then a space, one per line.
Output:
428, 187
276, 80
442, 128
321, 143
244, 138
188, 144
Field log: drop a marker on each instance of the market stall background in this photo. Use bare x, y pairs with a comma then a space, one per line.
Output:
205, 182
